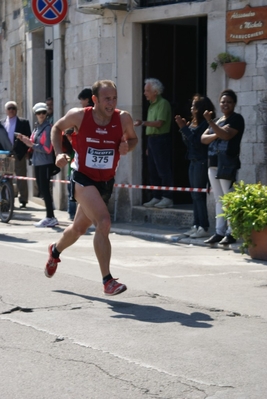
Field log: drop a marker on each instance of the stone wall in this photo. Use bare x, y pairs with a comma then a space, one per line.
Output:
12, 38
91, 47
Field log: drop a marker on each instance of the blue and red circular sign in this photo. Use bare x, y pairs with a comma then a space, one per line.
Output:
50, 12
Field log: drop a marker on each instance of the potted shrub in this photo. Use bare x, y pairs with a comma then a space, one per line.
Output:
246, 210
234, 68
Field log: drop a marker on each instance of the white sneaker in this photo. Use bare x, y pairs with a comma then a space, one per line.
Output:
191, 231
46, 222
53, 222
151, 203
200, 233
164, 203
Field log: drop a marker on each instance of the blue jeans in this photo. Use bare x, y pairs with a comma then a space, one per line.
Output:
159, 164
198, 178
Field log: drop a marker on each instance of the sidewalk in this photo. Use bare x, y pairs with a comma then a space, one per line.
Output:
147, 231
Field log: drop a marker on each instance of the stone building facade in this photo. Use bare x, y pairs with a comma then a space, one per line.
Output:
125, 43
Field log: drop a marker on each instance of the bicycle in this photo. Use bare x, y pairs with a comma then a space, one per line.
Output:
7, 197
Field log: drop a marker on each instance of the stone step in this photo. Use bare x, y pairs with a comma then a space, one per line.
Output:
178, 215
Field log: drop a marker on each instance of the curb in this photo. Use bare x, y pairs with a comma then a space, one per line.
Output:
174, 239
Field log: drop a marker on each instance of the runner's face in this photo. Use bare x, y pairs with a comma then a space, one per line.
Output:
106, 101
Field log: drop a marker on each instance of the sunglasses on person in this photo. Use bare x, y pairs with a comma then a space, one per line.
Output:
12, 108
40, 113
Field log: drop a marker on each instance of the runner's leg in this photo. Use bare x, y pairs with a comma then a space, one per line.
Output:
91, 210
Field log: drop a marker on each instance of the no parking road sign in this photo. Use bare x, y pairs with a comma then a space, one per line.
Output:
50, 12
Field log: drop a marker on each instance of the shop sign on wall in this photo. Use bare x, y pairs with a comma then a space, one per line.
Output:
31, 23
246, 24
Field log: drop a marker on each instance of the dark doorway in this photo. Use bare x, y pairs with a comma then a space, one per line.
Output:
49, 73
176, 54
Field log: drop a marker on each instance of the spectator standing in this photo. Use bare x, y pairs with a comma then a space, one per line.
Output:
5, 143
223, 138
50, 110
43, 161
14, 124
85, 97
198, 155
158, 134
103, 133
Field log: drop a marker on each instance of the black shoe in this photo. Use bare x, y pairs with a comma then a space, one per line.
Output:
213, 239
23, 205
228, 239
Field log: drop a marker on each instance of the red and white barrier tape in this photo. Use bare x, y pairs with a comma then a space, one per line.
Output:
189, 189
142, 187
32, 178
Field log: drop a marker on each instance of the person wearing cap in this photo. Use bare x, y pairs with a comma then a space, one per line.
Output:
43, 160
14, 124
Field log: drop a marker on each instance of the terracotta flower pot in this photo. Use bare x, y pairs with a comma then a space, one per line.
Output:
235, 70
259, 250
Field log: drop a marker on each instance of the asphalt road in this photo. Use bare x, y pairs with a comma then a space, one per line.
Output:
192, 324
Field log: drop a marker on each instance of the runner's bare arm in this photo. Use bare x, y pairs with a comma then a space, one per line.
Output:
73, 118
129, 138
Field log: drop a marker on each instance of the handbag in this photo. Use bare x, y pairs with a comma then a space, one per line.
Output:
227, 166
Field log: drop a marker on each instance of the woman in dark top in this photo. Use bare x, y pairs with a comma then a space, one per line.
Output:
198, 156
223, 139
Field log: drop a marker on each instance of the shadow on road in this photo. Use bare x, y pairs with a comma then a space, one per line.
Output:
149, 313
8, 238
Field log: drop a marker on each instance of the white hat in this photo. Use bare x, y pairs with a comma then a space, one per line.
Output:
11, 103
39, 107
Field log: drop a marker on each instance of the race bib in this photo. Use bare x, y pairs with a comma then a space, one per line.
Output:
99, 159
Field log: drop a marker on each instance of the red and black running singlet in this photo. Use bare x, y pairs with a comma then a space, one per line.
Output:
97, 147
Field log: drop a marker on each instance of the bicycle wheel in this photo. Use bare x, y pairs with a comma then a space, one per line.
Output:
6, 201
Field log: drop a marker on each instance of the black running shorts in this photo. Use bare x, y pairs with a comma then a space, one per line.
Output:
104, 187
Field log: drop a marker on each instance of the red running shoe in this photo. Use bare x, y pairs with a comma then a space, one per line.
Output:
112, 287
51, 266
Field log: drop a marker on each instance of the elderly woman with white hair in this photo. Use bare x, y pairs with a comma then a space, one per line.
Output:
43, 161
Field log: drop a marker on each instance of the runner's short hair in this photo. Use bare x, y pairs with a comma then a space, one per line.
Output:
100, 84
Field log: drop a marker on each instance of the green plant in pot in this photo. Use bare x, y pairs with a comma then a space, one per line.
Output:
246, 210
223, 58
233, 67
